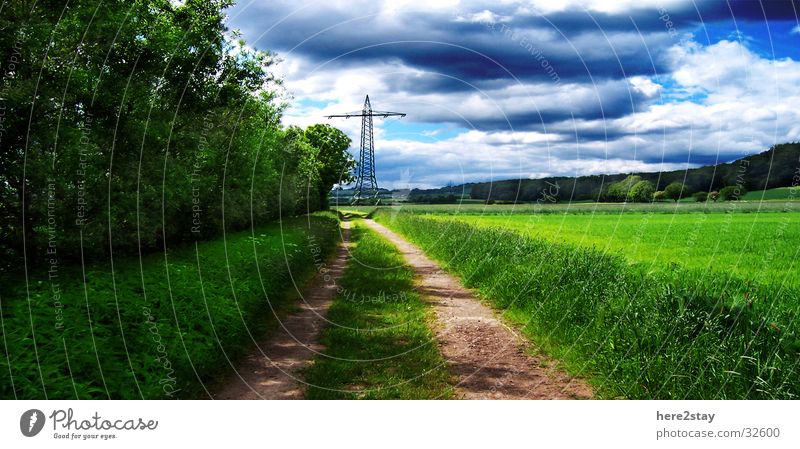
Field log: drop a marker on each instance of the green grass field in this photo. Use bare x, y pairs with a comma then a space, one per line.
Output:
647, 305
379, 345
665, 207
778, 194
160, 327
762, 247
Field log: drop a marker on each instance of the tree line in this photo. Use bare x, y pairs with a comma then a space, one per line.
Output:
776, 167
126, 125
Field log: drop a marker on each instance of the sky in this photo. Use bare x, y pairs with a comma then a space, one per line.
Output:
525, 89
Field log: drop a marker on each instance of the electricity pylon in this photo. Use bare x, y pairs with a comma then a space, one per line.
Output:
366, 183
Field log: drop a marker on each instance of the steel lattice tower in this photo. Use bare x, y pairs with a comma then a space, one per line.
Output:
366, 183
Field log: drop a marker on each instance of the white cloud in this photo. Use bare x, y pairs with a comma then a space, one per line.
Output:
734, 101
796, 30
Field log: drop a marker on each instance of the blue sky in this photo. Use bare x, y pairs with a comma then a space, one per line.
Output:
497, 90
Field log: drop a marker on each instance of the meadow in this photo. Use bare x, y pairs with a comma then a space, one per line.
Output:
758, 246
643, 302
163, 326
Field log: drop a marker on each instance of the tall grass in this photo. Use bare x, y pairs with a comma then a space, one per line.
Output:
160, 327
762, 247
379, 344
669, 334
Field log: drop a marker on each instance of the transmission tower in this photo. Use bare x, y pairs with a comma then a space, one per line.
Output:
366, 184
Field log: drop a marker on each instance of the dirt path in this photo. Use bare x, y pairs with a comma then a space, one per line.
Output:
272, 371
489, 359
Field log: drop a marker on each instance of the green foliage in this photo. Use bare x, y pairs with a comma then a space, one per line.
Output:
337, 163
642, 331
139, 123
659, 195
162, 327
700, 197
380, 347
675, 191
732, 193
642, 192
621, 191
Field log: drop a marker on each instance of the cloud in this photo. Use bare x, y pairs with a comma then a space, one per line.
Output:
497, 90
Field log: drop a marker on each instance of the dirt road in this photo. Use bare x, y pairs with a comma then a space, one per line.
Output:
272, 371
489, 359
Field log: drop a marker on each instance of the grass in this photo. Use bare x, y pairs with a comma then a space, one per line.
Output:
666, 207
160, 327
760, 247
379, 344
777, 194
637, 332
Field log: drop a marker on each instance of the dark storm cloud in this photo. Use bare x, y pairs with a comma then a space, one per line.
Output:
686, 16
472, 52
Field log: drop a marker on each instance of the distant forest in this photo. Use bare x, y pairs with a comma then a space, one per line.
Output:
776, 167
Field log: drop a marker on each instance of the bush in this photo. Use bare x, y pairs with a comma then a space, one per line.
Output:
713, 196
659, 195
701, 197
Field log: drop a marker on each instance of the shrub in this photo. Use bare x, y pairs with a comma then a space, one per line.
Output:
701, 197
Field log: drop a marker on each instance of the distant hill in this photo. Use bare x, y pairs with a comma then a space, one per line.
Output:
773, 168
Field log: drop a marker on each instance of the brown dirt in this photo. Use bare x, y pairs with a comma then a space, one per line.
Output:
488, 358
273, 369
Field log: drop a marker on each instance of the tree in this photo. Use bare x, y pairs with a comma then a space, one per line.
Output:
620, 191
675, 191
337, 163
642, 192
701, 197
146, 123
658, 196
732, 193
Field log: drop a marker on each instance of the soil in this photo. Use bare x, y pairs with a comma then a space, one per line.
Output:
273, 370
488, 358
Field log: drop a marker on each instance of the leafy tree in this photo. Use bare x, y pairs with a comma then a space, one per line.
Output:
701, 197
642, 192
732, 193
675, 191
142, 123
659, 195
336, 162
620, 191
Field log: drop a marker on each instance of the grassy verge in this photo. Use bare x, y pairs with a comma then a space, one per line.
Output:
638, 333
379, 345
159, 327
